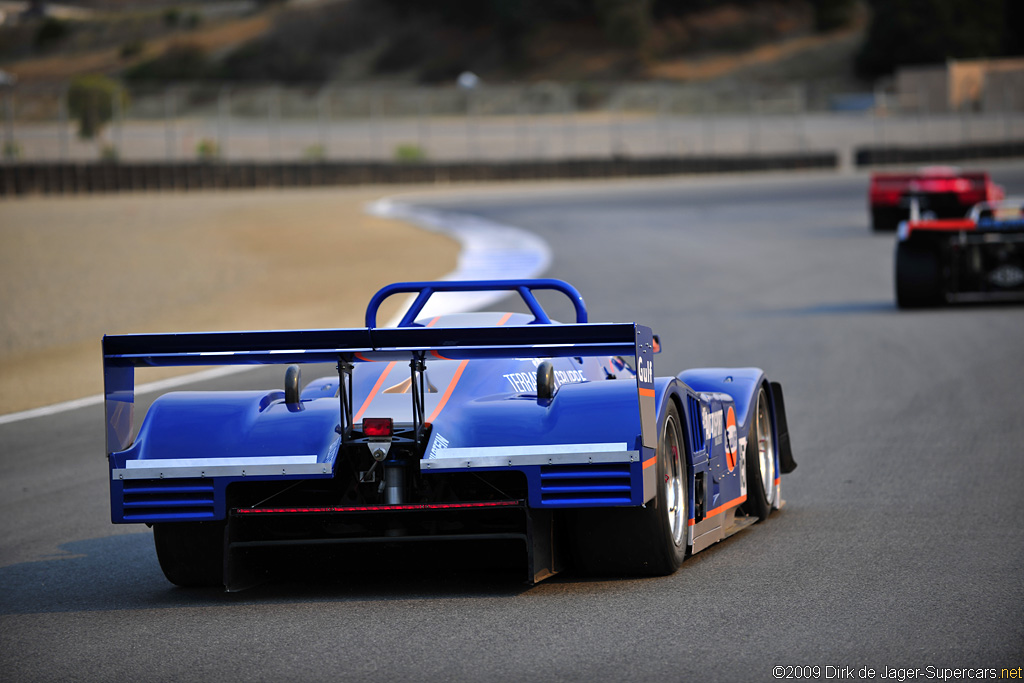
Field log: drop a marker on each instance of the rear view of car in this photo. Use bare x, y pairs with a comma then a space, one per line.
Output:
554, 442
972, 259
933, 192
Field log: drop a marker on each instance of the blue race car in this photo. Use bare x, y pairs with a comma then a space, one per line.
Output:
557, 439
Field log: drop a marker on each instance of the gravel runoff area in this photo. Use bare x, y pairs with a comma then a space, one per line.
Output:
75, 268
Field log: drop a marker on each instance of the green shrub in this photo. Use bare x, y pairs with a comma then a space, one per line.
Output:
954, 29
180, 62
833, 14
314, 153
51, 31
131, 49
12, 150
409, 153
625, 22
172, 16
207, 150
91, 102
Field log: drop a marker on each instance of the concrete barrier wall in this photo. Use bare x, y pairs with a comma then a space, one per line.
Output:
61, 178
881, 155
25, 178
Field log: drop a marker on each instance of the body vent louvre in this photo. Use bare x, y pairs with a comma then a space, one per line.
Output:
696, 424
168, 499
585, 484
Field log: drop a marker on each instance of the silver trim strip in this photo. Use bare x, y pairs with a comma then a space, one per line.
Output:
180, 468
511, 456
210, 462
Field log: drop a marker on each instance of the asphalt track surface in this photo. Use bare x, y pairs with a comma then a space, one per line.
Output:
901, 545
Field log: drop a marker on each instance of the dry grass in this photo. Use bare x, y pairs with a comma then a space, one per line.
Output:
62, 67
73, 269
722, 65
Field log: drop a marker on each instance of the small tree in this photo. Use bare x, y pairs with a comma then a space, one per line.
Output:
91, 100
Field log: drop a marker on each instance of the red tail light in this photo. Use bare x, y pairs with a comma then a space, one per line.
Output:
378, 426
885, 196
972, 196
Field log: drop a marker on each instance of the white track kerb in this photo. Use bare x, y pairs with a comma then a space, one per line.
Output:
489, 251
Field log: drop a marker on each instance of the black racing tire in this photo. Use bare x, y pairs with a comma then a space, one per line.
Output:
886, 218
918, 276
191, 554
760, 459
648, 541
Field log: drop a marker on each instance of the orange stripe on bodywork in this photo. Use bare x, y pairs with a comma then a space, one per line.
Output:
448, 391
373, 392
725, 506
650, 461
722, 508
455, 378
646, 392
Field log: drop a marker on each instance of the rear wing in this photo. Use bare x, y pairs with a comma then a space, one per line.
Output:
1004, 215
1007, 211
411, 342
970, 187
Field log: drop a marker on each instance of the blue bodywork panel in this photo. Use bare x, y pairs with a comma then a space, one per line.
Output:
481, 406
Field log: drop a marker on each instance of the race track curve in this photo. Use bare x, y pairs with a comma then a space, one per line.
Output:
900, 547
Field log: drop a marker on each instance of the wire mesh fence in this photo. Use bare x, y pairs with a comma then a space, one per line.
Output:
544, 121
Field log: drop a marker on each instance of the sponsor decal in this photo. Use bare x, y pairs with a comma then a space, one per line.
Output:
645, 373
523, 382
731, 440
1006, 276
526, 382
714, 426
569, 377
440, 443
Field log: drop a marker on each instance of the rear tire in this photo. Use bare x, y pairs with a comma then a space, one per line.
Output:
884, 219
918, 276
648, 541
761, 458
191, 554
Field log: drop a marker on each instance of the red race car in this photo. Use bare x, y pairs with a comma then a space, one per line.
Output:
932, 192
